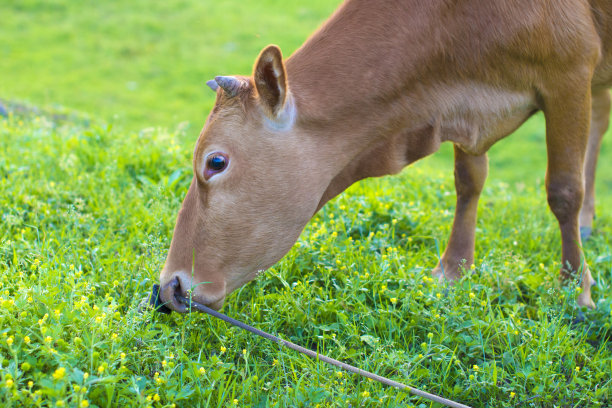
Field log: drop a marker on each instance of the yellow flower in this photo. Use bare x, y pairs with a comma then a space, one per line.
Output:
84, 404
26, 340
30, 384
59, 373
122, 356
235, 402
202, 371
475, 367
430, 335
512, 394
60, 404
393, 300
156, 397
365, 394
48, 339
274, 362
85, 376
244, 352
114, 336
164, 363
483, 303
9, 383
101, 369
9, 341
472, 295
383, 288
223, 349
471, 376
577, 369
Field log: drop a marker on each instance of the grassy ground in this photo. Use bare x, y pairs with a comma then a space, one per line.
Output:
140, 63
87, 212
86, 220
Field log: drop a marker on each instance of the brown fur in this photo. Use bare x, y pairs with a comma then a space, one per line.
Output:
380, 85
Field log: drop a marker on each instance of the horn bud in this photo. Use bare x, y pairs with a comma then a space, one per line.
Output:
231, 85
212, 84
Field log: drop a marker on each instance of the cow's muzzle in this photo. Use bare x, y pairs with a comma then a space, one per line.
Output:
168, 296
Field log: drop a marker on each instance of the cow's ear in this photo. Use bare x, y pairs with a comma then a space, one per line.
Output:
271, 80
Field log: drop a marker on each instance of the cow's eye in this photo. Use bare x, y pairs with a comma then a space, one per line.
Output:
215, 163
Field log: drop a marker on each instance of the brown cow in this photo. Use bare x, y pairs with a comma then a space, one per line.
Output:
380, 85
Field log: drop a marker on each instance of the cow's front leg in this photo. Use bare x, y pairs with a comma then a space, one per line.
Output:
470, 175
567, 112
600, 119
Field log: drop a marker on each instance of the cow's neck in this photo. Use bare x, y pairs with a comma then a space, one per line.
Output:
353, 89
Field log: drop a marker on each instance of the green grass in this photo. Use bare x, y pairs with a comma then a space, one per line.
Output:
86, 220
140, 63
88, 202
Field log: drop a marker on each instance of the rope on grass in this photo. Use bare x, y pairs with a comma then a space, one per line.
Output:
154, 300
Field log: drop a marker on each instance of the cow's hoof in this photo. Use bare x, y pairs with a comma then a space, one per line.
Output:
585, 233
579, 318
586, 301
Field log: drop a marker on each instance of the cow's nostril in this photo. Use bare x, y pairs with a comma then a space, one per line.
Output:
169, 292
175, 284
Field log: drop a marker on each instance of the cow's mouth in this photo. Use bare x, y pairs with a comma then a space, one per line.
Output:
169, 297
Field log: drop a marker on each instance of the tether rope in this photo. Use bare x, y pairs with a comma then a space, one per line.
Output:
155, 302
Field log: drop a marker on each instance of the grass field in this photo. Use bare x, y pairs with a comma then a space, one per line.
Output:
87, 211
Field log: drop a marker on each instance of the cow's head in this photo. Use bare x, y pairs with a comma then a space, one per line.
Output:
255, 187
